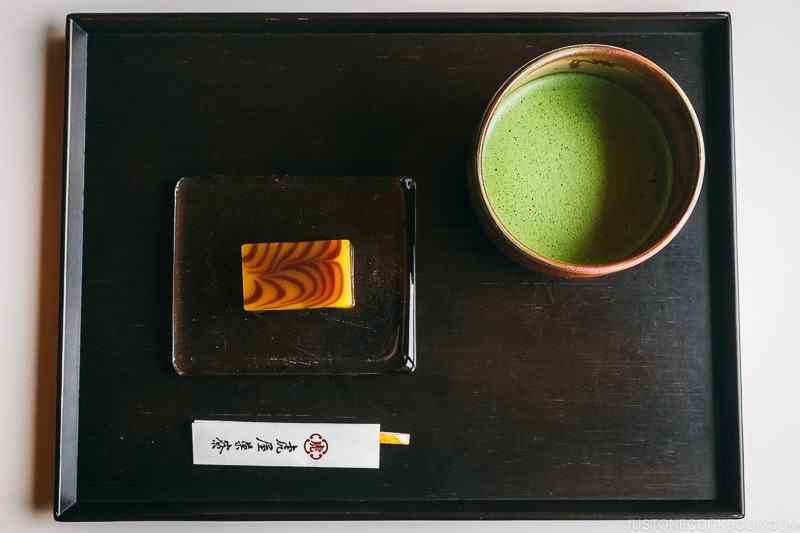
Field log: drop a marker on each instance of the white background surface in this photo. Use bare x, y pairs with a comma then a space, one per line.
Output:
766, 93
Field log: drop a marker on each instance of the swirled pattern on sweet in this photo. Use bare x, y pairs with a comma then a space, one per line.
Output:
297, 275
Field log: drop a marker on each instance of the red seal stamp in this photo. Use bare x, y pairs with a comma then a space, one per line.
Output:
315, 446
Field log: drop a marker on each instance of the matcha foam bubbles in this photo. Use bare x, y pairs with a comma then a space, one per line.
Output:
577, 168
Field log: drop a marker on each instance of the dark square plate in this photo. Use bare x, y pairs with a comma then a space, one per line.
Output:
533, 397
215, 216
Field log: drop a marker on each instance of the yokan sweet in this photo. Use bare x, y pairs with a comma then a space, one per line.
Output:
297, 275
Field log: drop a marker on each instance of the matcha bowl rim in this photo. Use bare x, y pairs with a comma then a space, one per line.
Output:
660, 93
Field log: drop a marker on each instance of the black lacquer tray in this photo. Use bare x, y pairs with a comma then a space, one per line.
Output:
533, 397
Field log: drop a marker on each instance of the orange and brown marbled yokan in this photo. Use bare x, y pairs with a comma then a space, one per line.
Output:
297, 275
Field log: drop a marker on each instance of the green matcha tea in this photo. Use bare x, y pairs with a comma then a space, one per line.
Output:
577, 168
